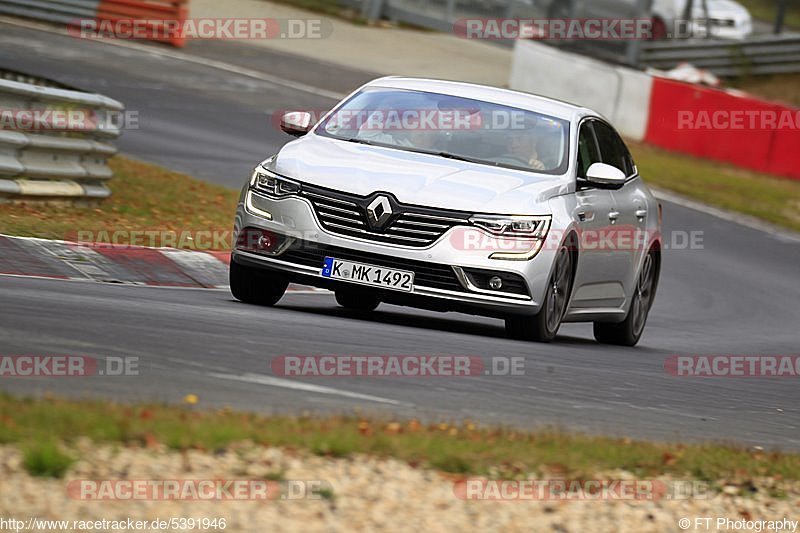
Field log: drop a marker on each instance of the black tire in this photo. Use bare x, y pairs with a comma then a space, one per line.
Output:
629, 331
255, 286
543, 326
357, 300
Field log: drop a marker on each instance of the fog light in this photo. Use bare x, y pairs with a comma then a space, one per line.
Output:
265, 242
495, 283
258, 240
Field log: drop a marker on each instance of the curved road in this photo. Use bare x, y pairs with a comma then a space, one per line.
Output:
737, 295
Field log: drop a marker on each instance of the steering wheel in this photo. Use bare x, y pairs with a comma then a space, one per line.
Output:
518, 161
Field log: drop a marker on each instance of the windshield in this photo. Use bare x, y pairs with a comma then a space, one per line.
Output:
454, 127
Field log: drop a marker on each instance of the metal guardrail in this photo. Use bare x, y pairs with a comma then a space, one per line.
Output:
68, 163
773, 54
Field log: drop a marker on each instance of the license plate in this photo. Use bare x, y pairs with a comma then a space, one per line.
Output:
376, 276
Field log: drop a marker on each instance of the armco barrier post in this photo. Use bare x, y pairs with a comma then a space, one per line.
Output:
634, 47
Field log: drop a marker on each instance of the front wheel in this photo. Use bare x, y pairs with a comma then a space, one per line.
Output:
543, 326
255, 286
629, 331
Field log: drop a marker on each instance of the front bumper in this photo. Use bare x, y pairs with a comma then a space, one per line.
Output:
440, 269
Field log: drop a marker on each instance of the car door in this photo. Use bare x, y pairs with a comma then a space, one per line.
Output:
631, 205
596, 276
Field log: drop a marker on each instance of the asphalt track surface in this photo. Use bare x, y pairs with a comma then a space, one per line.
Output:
738, 294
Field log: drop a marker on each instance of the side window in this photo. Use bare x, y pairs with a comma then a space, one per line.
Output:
613, 149
587, 149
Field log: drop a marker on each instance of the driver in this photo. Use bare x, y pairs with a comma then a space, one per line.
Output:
528, 145
525, 147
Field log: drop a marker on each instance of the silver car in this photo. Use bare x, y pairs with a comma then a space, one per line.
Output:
455, 197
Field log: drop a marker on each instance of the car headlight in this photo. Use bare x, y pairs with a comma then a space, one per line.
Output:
273, 185
513, 226
528, 230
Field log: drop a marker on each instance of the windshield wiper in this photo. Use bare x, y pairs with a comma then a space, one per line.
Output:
357, 140
448, 155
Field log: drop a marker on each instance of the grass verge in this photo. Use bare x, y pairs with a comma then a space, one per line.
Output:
784, 88
767, 10
144, 198
45, 459
722, 185
460, 448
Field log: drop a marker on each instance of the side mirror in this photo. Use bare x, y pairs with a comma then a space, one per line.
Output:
603, 175
296, 123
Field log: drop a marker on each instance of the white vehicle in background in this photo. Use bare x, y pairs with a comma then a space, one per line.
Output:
726, 18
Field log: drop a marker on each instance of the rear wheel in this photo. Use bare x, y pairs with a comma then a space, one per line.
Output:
357, 300
629, 331
543, 326
254, 286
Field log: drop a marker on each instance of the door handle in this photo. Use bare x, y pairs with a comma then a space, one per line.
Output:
613, 216
640, 213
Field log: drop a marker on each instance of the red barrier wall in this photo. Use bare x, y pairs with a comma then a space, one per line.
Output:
149, 10
785, 157
717, 125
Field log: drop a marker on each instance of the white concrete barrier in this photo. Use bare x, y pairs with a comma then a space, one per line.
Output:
620, 94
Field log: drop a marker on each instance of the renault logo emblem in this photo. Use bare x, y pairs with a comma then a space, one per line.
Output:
379, 211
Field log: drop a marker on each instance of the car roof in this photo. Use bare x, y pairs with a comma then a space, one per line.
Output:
527, 101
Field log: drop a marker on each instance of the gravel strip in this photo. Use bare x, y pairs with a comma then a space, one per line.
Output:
366, 494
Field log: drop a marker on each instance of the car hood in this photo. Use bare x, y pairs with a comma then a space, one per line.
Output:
416, 179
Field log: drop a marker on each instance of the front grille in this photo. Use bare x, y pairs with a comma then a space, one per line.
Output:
346, 214
425, 274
